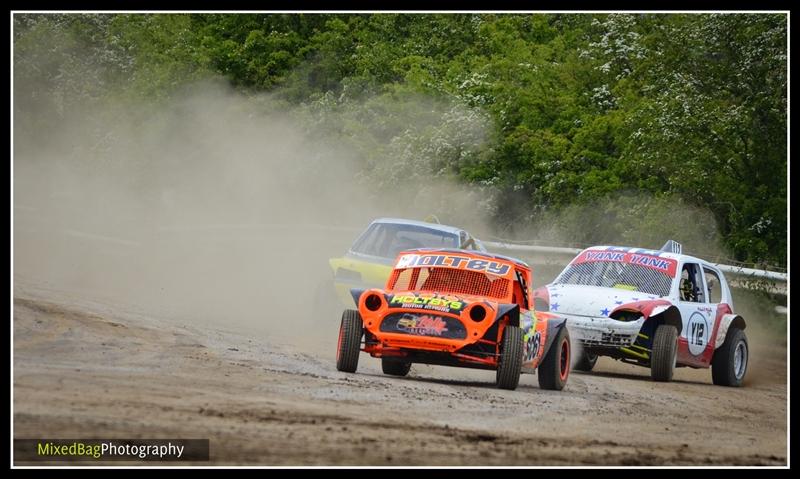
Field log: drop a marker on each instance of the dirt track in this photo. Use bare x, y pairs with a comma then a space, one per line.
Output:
90, 369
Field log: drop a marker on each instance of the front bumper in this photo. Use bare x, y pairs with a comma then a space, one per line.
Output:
603, 332
420, 330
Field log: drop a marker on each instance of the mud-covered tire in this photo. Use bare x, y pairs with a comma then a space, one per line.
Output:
553, 372
510, 367
664, 353
349, 344
586, 362
726, 368
394, 367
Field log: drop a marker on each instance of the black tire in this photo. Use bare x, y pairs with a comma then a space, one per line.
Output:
394, 367
510, 366
554, 370
664, 353
586, 362
349, 345
725, 369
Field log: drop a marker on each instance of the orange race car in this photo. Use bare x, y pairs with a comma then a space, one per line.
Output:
455, 307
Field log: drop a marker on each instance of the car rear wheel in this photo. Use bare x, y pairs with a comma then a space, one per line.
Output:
586, 361
395, 367
510, 366
664, 353
730, 361
349, 345
554, 370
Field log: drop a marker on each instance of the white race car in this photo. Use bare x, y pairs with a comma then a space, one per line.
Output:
658, 309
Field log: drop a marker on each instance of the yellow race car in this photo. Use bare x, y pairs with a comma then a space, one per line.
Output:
368, 263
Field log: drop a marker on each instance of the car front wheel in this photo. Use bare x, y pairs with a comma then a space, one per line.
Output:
510, 366
554, 370
664, 353
349, 344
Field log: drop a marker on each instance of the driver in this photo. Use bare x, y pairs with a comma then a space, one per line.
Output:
687, 287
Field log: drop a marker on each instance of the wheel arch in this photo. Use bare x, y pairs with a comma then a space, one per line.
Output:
554, 326
727, 322
356, 293
655, 312
508, 309
670, 315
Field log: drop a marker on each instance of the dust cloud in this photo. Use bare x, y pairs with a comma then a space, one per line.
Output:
210, 208
767, 333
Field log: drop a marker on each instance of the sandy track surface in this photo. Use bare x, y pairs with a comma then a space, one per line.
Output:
93, 369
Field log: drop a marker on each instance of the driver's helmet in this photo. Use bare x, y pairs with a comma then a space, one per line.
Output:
687, 289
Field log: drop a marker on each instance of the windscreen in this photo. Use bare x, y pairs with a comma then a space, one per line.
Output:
615, 274
387, 240
448, 280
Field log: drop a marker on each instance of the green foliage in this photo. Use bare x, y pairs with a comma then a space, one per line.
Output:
631, 218
630, 125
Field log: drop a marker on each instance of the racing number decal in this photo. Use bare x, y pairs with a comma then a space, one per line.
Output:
532, 344
698, 333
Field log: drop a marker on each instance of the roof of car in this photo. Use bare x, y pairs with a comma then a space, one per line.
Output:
433, 226
471, 253
661, 254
